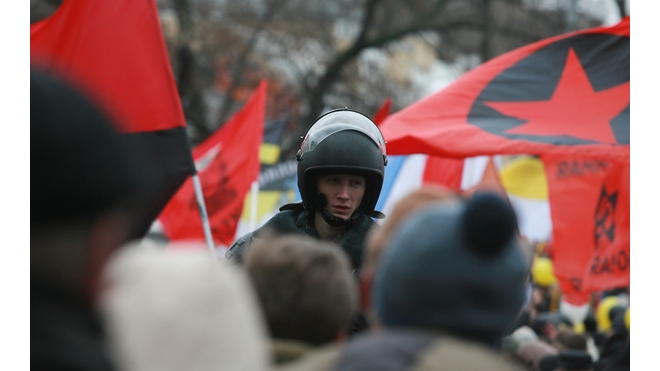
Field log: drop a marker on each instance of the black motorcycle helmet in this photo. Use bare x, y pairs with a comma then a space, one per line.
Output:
342, 141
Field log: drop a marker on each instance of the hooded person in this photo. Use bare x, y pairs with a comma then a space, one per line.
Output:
613, 318
341, 165
81, 180
448, 288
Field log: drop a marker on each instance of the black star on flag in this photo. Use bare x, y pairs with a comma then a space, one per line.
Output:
567, 95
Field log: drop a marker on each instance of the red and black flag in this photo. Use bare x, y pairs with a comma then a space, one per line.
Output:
567, 95
114, 51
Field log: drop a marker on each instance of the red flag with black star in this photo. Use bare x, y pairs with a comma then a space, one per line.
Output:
114, 51
227, 163
590, 210
567, 95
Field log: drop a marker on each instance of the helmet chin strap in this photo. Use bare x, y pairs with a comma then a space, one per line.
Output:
321, 201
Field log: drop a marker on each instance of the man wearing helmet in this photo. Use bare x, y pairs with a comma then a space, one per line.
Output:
341, 165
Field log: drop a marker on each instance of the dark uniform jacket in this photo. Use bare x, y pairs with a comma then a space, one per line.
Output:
298, 221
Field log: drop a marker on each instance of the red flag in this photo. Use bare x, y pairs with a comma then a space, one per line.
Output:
566, 95
383, 111
447, 172
590, 209
227, 163
115, 52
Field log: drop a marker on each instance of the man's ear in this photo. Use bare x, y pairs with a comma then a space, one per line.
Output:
108, 232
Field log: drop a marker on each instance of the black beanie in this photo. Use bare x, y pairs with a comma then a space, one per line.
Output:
79, 166
456, 268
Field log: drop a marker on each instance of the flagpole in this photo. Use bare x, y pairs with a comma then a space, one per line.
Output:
253, 204
202, 211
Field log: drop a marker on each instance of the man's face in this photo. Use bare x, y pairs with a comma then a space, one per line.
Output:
344, 193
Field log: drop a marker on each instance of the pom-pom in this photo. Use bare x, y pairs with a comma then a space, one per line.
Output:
489, 223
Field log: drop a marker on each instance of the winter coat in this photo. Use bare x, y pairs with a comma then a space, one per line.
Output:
399, 350
65, 333
285, 351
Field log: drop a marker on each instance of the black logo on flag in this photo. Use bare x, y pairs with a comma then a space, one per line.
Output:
217, 195
605, 218
576, 283
549, 96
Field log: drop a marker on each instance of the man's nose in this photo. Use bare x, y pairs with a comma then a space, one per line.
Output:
343, 190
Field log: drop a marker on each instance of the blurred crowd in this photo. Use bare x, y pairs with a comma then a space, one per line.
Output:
445, 282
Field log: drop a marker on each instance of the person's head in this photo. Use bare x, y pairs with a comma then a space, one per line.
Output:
81, 175
609, 309
378, 238
567, 338
305, 288
347, 143
178, 308
454, 267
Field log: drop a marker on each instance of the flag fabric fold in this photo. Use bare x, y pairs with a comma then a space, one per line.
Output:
227, 163
590, 210
114, 51
567, 95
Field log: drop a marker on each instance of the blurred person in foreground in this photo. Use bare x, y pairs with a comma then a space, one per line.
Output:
613, 321
341, 165
81, 179
174, 307
567, 360
378, 238
448, 287
306, 291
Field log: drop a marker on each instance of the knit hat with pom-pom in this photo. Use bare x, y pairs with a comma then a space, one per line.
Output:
457, 268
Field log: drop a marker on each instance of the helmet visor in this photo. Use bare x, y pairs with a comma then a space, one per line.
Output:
331, 124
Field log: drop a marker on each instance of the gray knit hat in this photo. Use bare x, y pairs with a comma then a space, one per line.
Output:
454, 267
